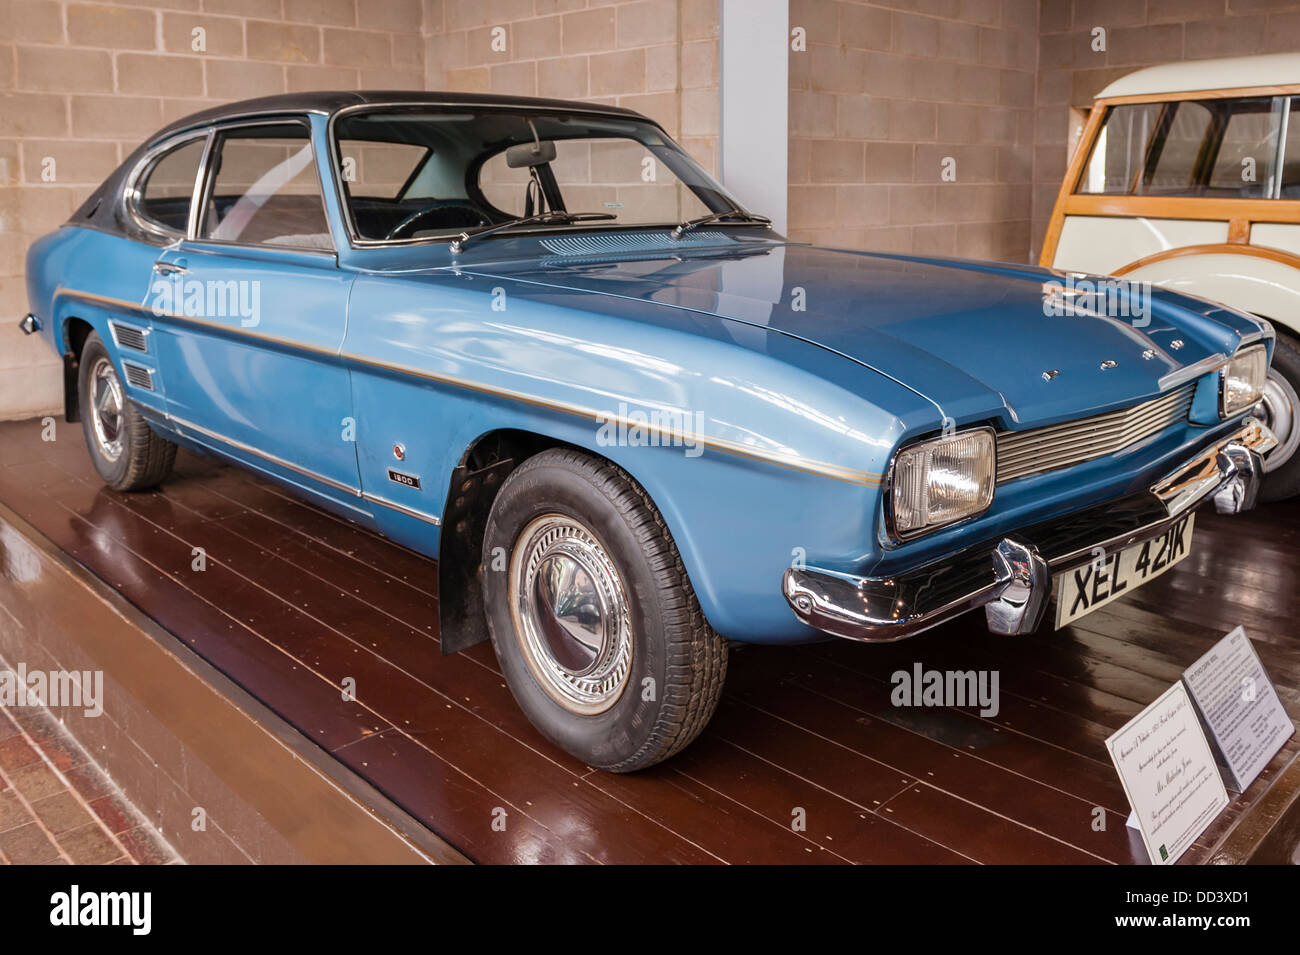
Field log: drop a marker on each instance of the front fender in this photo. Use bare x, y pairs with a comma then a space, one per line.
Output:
781, 459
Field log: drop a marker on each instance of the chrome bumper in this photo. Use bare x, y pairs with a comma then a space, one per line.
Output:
1011, 577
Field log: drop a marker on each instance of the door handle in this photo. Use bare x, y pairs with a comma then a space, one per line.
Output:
168, 268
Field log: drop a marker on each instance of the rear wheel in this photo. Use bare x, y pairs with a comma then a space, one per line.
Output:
595, 624
1281, 408
126, 452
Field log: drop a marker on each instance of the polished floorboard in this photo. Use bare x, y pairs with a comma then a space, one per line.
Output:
806, 760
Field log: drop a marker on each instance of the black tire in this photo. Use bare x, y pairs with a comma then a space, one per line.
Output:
145, 457
1284, 480
671, 644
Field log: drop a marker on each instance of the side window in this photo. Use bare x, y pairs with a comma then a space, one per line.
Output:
1247, 148
166, 190
1120, 150
264, 189
1197, 148
1174, 155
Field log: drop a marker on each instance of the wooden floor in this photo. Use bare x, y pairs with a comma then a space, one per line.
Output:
294, 601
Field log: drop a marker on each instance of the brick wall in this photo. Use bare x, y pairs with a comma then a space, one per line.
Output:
1138, 33
81, 84
659, 57
889, 91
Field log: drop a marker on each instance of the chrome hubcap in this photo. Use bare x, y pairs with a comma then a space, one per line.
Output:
106, 404
570, 614
1281, 408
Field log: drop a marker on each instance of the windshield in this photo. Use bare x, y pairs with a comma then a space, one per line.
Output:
423, 172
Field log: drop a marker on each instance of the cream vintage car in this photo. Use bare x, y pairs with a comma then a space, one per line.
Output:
1187, 176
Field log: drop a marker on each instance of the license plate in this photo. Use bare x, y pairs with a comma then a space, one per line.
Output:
1111, 576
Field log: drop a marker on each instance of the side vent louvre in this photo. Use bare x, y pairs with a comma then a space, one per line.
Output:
138, 375
128, 336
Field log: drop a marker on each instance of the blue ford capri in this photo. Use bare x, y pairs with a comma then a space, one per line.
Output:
535, 340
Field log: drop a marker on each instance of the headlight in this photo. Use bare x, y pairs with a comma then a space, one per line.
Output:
1242, 380
941, 481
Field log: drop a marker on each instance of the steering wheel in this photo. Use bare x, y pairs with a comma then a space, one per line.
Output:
442, 204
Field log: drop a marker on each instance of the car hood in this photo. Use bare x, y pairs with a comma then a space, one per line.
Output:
958, 332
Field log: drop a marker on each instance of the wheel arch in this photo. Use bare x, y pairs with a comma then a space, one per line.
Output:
471, 489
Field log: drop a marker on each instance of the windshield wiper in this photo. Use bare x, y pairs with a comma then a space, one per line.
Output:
690, 224
542, 218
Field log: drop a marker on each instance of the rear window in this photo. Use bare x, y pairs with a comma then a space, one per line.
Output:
166, 189
1216, 148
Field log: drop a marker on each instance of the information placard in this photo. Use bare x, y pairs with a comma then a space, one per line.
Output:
1240, 707
1167, 769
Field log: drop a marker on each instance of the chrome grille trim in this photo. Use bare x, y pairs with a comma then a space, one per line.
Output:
1022, 453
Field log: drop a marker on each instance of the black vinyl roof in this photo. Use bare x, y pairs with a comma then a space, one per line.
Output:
333, 100
104, 209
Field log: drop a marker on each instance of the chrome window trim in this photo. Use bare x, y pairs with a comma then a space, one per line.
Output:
1279, 153
349, 224
131, 195
206, 182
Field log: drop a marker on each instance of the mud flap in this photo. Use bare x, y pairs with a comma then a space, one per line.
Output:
71, 400
461, 620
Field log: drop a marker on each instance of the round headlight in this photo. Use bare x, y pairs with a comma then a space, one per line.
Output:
940, 481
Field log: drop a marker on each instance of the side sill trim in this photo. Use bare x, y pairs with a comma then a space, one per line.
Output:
401, 508
183, 425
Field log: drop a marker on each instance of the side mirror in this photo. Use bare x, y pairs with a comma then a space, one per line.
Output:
530, 154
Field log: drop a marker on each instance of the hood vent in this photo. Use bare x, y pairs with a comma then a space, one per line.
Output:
616, 243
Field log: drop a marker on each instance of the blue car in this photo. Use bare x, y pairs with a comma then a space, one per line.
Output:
537, 341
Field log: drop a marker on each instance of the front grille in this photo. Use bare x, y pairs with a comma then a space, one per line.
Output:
1021, 453
138, 375
128, 336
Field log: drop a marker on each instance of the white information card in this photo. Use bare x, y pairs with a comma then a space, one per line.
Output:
1167, 769
1237, 701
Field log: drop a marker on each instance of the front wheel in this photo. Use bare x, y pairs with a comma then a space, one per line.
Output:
594, 622
1281, 407
126, 452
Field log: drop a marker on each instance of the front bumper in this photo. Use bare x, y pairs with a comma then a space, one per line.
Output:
1011, 577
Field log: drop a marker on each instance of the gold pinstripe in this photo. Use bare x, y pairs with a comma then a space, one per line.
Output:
795, 462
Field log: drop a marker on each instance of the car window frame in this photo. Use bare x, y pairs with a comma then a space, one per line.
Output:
207, 183
133, 196
1204, 164
357, 242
